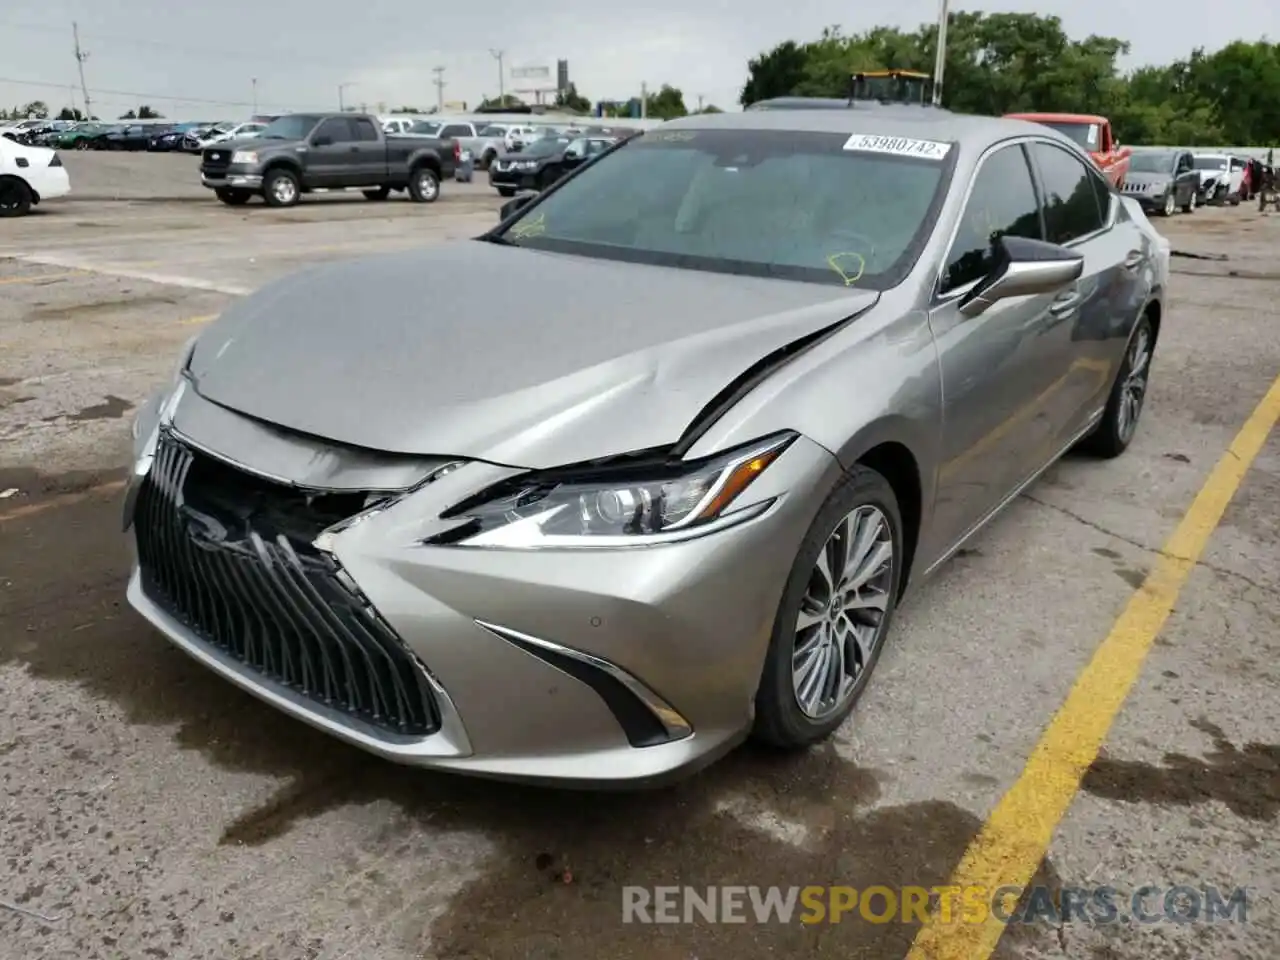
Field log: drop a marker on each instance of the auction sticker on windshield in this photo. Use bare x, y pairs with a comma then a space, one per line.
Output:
899, 146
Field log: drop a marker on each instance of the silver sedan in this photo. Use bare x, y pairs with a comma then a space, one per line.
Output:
775, 368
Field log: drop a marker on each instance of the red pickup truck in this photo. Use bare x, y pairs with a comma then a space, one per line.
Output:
1093, 134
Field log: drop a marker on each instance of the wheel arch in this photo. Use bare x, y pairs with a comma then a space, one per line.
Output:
892, 447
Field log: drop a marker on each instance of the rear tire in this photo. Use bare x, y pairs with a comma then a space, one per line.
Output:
379, 193
15, 197
1190, 205
1119, 423
795, 706
424, 185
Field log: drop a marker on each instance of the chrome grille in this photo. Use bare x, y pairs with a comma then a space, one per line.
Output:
230, 556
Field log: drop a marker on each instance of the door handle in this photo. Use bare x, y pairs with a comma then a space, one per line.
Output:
1134, 260
1066, 303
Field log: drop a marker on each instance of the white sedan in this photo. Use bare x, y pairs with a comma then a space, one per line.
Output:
29, 175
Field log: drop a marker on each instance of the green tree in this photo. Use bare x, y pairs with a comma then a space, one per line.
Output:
570, 99
666, 104
146, 113
497, 103
70, 113
1006, 62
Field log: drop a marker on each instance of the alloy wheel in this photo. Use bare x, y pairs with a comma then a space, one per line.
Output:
842, 613
1169, 203
284, 190
1134, 390
427, 186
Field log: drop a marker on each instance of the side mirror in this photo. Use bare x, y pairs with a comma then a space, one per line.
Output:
1022, 268
324, 140
515, 205
572, 155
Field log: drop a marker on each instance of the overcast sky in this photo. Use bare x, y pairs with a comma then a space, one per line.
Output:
384, 50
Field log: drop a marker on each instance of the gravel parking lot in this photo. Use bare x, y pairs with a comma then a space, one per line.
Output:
149, 809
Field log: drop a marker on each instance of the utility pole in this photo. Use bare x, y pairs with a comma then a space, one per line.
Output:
439, 82
81, 57
644, 101
940, 63
502, 92
255, 96
700, 99
341, 87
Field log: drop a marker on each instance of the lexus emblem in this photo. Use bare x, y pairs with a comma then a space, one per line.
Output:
217, 156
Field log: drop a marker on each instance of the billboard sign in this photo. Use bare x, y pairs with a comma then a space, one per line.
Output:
534, 77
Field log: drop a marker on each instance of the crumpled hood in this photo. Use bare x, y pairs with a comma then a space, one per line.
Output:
1207, 175
513, 356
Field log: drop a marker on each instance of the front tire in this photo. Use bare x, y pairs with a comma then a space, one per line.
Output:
15, 197
506, 191
1119, 423
233, 198
281, 188
836, 609
1191, 203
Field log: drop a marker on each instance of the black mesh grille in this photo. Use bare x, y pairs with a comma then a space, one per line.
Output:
216, 161
231, 557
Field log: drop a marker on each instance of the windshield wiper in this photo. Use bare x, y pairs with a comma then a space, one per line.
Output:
500, 239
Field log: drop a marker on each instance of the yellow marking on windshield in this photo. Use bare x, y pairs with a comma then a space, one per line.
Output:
850, 277
530, 228
678, 136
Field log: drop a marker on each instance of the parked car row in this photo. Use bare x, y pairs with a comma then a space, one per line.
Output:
1164, 181
155, 136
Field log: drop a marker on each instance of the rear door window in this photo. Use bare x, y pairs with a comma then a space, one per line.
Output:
1072, 200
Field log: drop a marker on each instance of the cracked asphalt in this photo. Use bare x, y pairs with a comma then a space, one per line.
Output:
150, 810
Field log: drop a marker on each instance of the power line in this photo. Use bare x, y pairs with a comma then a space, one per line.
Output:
81, 57
498, 55
135, 95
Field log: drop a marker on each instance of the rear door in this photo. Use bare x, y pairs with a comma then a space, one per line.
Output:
1087, 324
993, 365
371, 150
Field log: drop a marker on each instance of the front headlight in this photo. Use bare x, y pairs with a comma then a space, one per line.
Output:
616, 506
244, 156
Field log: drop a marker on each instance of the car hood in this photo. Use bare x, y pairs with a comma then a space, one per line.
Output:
1143, 177
518, 357
1207, 175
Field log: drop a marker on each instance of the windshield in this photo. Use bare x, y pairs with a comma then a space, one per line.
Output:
1085, 134
546, 147
1211, 163
293, 127
493, 132
426, 128
1151, 163
788, 204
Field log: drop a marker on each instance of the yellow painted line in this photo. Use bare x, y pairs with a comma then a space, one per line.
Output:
43, 277
195, 321
1015, 838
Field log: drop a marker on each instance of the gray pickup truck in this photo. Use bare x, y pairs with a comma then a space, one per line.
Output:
303, 152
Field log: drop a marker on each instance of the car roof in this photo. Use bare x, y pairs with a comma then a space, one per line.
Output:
1061, 117
908, 122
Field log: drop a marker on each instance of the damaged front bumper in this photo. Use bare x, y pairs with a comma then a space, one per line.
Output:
592, 667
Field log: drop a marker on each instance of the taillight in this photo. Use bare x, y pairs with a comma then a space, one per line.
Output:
457, 151
56, 161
